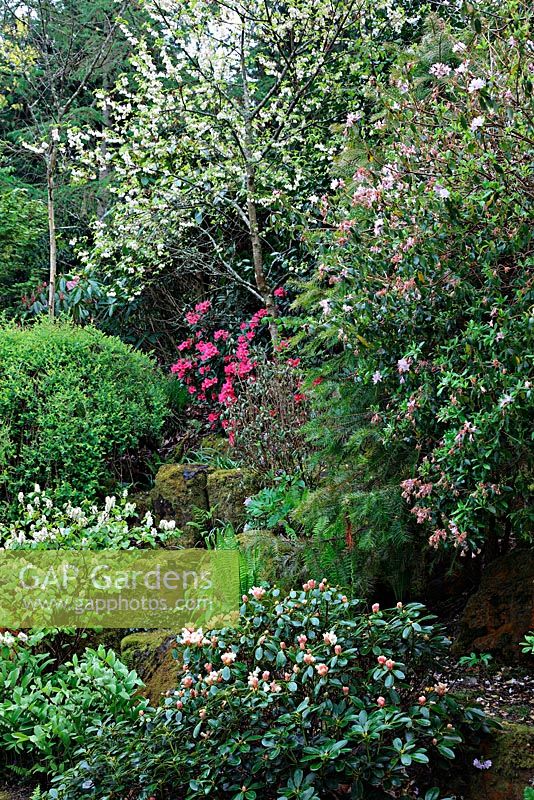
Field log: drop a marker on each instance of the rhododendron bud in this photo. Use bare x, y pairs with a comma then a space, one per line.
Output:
337, 649
399, 605
283, 645
202, 713
309, 659
322, 670
390, 663
179, 704
381, 659
344, 599
375, 608
381, 701
266, 675
141, 713
244, 598
346, 690
422, 700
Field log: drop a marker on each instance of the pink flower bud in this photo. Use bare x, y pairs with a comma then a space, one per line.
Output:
399, 605
390, 664
322, 670
381, 701
375, 608
381, 660
422, 700
283, 645
337, 649
346, 690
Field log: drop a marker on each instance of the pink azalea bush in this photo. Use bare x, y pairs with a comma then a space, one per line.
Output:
310, 696
212, 362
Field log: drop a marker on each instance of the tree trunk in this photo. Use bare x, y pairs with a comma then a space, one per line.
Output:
50, 188
103, 172
257, 255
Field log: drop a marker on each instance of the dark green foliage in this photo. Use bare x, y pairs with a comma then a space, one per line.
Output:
309, 696
72, 403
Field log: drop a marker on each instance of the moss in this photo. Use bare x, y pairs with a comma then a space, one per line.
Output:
178, 490
227, 491
511, 751
150, 654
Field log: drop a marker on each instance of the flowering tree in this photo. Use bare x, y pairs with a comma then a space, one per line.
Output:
219, 136
50, 52
423, 290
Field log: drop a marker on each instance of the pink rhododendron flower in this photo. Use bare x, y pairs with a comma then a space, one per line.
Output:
375, 608
228, 658
257, 592
192, 318
390, 663
381, 660
280, 292
322, 670
381, 701
201, 308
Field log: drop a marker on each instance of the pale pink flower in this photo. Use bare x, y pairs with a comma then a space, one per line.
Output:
309, 658
322, 670
477, 123
390, 663
330, 638
403, 365
381, 701
228, 658
475, 85
375, 608
440, 70
257, 592
381, 660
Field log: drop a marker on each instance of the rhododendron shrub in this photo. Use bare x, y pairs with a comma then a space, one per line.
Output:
423, 292
212, 361
310, 696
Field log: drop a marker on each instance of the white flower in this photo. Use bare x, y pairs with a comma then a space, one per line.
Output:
330, 638
403, 365
476, 123
377, 377
325, 305
505, 400
475, 85
441, 191
458, 47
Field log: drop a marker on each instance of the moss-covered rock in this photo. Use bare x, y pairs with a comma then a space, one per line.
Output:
178, 490
227, 491
511, 752
149, 653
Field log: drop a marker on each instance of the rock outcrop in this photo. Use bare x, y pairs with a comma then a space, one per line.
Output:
501, 612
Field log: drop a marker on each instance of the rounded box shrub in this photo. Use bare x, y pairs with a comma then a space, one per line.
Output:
73, 402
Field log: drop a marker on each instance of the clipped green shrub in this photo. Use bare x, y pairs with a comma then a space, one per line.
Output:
73, 402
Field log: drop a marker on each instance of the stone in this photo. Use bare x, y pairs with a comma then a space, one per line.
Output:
497, 617
149, 653
511, 752
227, 491
178, 490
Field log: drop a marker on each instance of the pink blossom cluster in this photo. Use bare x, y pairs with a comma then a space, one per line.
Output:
211, 363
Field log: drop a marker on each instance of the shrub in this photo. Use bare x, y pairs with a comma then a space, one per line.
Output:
266, 419
46, 713
44, 525
423, 295
309, 696
72, 403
